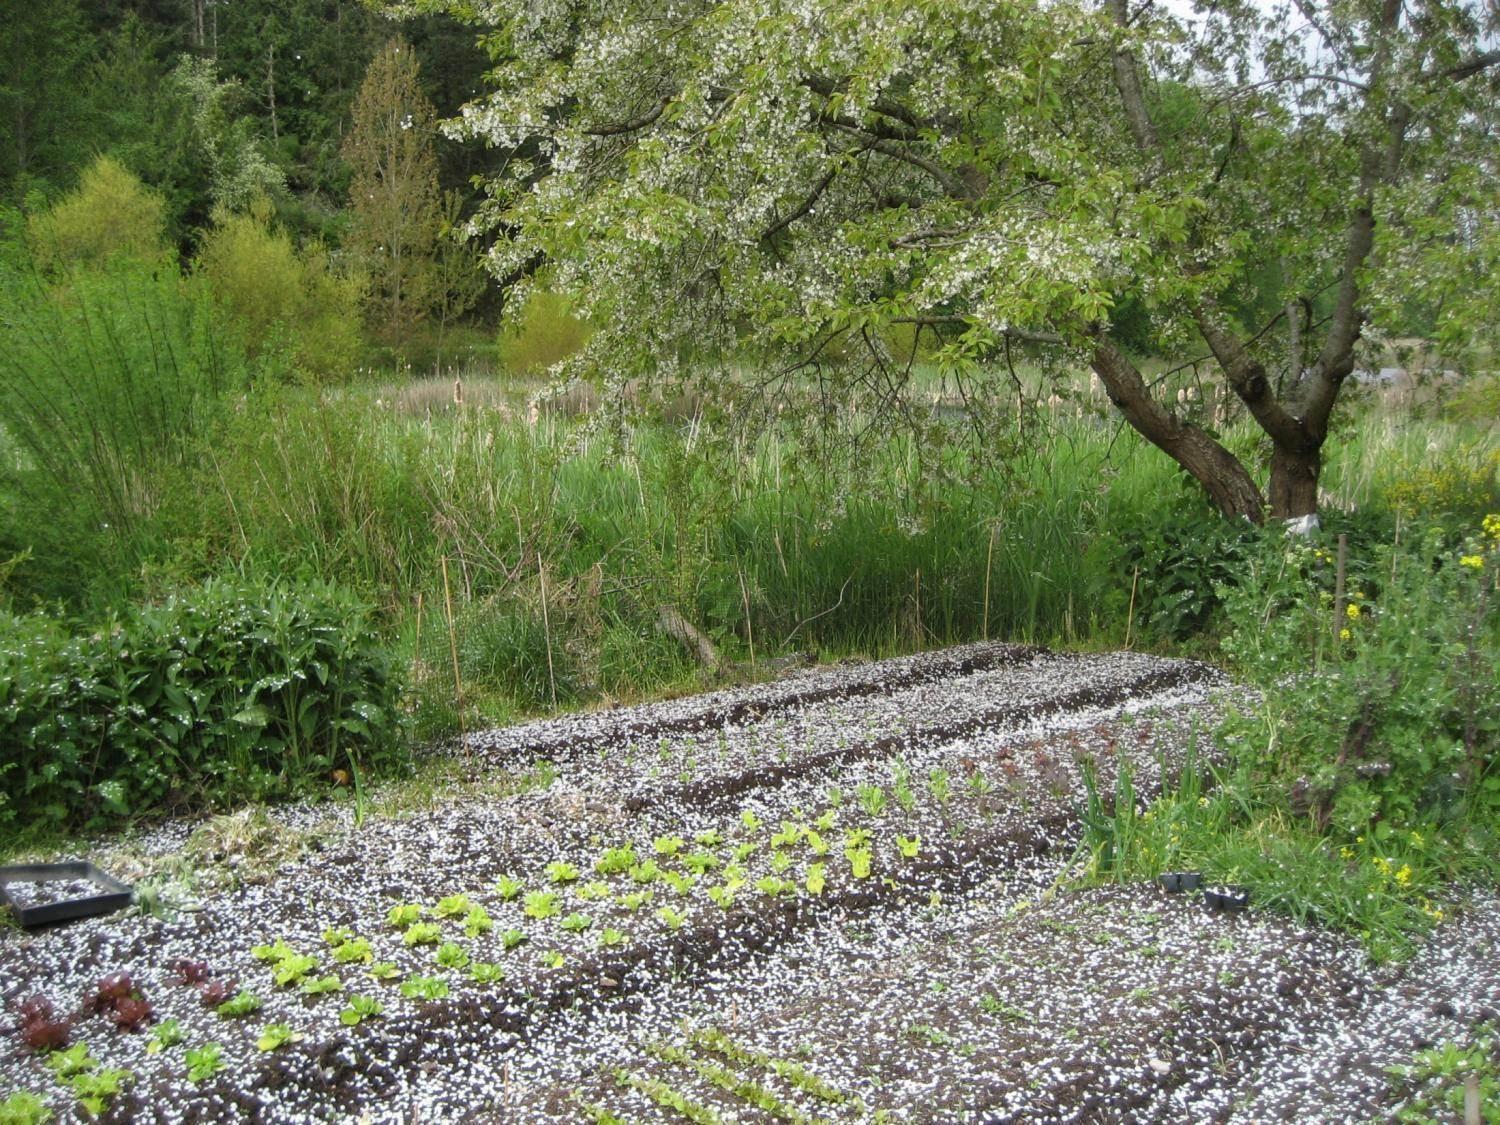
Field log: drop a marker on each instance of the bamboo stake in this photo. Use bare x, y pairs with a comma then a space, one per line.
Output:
749, 625
989, 563
458, 684
416, 655
547, 630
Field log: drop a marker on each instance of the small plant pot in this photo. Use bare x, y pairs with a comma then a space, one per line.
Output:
1233, 899
92, 892
1176, 882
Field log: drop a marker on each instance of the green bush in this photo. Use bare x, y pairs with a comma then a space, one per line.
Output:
110, 212
1391, 713
277, 293
1178, 560
545, 333
233, 691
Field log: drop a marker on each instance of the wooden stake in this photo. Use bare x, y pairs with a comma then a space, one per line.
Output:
458, 684
547, 630
1130, 613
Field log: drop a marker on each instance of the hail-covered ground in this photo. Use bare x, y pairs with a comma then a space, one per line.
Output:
843, 896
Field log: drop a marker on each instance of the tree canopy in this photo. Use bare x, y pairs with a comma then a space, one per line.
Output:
799, 178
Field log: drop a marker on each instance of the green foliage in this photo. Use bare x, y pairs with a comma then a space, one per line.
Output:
234, 691
1435, 1085
204, 1062
224, 142
110, 376
545, 333
279, 295
396, 211
1178, 559
22, 1108
1391, 713
1364, 774
111, 213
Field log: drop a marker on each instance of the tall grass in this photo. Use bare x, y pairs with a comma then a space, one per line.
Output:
563, 540
110, 376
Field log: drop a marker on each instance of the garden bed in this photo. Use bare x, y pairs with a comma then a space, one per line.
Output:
831, 897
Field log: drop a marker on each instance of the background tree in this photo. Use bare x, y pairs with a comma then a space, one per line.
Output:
797, 180
396, 212
44, 55
110, 213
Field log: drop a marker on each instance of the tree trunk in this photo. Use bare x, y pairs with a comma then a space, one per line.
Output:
1294, 482
1226, 481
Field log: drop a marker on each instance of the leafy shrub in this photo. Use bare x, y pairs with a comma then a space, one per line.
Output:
1184, 559
1391, 713
545, 333
1463, 481
109, 213
275, 292
231, 691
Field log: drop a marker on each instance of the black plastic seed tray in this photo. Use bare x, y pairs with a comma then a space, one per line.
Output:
111, 894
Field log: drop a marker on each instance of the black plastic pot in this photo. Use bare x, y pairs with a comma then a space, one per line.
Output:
112, 894
1230, 898
1178, 881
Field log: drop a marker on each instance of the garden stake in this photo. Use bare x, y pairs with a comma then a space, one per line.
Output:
458, 687
1338, 586
1130, 612
989, 563
749, 626
416, 646
547, 630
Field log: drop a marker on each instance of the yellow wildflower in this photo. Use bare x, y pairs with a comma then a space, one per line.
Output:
1492, 526
1346, 852
1345, 635
1404, 875
1473, 562
1352, 611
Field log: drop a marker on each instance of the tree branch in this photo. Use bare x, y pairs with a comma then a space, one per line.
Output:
950, 183
635, 124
